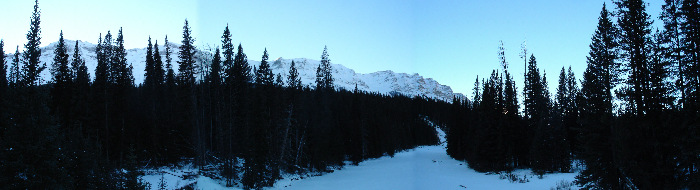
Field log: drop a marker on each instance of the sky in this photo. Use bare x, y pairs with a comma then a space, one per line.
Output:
449, 41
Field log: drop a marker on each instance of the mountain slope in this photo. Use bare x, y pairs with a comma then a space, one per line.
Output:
384, 82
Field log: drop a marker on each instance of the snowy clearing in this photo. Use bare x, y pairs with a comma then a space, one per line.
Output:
426, 167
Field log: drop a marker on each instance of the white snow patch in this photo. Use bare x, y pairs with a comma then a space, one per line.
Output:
425, 167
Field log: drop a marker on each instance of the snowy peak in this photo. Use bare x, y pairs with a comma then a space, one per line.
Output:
383, 82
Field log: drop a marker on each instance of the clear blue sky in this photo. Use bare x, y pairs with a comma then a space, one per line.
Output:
450, 41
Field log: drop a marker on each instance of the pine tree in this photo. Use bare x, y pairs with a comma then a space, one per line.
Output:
635, 37
149, 76
62, 83
32, 139
227, 51
4, 90
477, 94
690, 44
158, 70
660, 66
102, 70
324, 76
319, 78
3, 71
75, 65
214, 81
186, 63
672, 20
168, 95
241, 75
60, 69
534, 102
599, 79
547, 145
264, 75
278, 80
571, 116
187, 99
562, 96
15, 74
120, 70
293, 80
81, 87
510, 95
170, 73
32, 66
214, 78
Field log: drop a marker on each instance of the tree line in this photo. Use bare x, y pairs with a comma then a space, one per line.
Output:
243, 125
633, 123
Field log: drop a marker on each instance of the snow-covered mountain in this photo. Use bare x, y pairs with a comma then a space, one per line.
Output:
384, 82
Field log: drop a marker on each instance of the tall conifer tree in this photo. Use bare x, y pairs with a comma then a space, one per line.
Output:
599, 80
293, 80
15, 69
186, 63
3, 70
32, 66
635, 37
263, 75
149, 76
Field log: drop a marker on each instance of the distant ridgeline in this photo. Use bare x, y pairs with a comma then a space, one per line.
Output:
383, 82
77, 116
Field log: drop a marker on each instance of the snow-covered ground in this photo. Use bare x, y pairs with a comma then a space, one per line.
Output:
426, 167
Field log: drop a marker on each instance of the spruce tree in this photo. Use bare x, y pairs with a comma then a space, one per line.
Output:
477, 94
562, 93
81, 87
690, 44
15, 74
319, 78
534, 98
214, 76
264, 75
672, 39
149, 76
186, 63
599, 80
75, 65
327, 69
241, 75
278, 80
660, 67
158, 70
571, 116
102, 70
635, 37
170, 73
3, 88
3, 71
227, 51
32, 65
293, 80
120, 70
60, 69
32, 136
510, 92
62, 83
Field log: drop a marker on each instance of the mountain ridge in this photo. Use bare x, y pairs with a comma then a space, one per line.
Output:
384, 82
